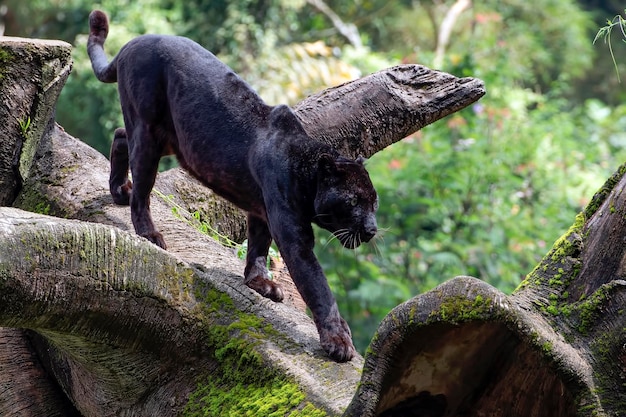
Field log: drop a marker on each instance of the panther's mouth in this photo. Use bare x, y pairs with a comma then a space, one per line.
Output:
349, 240
352, 240
350, 237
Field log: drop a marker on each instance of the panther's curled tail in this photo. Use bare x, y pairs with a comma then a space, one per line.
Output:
98, 31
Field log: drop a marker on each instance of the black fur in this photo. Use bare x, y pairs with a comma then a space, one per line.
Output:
177, 97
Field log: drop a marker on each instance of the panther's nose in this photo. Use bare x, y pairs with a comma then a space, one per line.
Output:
369, 231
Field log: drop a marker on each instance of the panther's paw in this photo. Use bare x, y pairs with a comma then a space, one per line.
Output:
336, 340
156, 238
121, 194
265, 287
257, 277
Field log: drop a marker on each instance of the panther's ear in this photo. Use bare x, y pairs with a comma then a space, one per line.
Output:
342, 160
284, 119
327, 164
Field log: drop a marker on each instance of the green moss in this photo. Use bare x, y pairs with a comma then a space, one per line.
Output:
226, 396
602, 194
42, 208
33, 200
5, 58
610, 386
244, 384
309, 410
369, 350
178, 279
583, 313
66, 170
413, 312
214, 302
533, 336
562, 264
553, 310
590, 408
589, 309
461, 309
547, 348
570, 243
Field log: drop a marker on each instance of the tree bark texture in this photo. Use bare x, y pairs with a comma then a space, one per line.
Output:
25, 388
126, 329
365, 116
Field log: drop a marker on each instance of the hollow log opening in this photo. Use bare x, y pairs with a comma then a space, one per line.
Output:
478, 369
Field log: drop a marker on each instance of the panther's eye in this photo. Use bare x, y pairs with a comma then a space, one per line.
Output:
354, 201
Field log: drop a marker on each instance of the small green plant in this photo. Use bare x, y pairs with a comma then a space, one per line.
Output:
195, 219
605, 32
24, 125
242, 251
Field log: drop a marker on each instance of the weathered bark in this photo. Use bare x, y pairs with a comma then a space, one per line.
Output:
25, 388
32, 75
365, 116
128, 329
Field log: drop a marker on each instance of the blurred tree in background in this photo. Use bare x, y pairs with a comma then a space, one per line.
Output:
484, 192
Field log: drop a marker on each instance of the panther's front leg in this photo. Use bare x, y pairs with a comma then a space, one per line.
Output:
295, 241
256, 275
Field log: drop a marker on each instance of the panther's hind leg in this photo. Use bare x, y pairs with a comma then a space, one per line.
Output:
256, 275
119, 184
144, 153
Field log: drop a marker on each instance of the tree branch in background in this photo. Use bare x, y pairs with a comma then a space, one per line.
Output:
347, 30
445, 31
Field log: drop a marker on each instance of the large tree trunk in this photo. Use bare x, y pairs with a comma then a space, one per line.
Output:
97, 321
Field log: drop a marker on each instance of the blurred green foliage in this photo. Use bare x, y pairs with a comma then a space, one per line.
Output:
483, 192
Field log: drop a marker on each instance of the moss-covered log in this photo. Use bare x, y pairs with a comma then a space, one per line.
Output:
125, 328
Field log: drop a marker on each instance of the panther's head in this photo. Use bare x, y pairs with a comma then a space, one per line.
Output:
345, 202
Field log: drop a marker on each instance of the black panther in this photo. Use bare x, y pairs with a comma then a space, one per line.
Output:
178, 98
